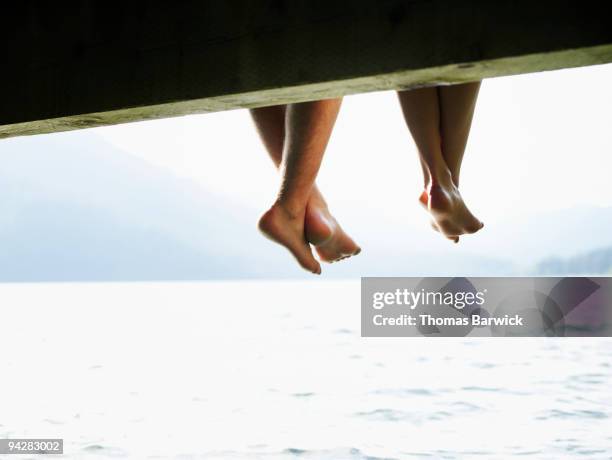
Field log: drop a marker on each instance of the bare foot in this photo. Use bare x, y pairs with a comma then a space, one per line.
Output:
287, 229
424, 201
449, 212
324, 232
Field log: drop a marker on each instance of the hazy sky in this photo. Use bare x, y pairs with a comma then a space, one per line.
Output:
539, 142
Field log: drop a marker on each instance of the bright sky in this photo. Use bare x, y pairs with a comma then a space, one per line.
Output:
539, 141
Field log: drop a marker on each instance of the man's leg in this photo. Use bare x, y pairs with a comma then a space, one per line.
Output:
270, 124
321, 228
308, 129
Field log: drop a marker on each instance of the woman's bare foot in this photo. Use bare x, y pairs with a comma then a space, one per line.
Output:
324, 232
449, 212
424, 201
287, 229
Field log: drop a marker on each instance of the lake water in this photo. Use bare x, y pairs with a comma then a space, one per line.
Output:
277, 370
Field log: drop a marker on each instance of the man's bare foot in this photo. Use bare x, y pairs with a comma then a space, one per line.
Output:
287, 229
424, 201
449, 212
324, 232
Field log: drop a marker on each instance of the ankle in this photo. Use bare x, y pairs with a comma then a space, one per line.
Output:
455, 178
316, 200
291, 210
441, 179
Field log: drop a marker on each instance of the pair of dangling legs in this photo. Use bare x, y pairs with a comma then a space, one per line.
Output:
296, 135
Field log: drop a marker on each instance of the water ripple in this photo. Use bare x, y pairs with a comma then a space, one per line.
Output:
564, 414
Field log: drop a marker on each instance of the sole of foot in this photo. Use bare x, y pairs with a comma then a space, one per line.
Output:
325, 234
287, 229
449, 212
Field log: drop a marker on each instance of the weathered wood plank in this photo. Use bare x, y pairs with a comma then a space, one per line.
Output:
76, 64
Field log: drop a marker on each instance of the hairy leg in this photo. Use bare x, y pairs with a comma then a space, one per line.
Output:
270, 124
321, 228
421, 109
308, 127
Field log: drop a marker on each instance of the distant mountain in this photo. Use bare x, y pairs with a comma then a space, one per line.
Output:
75, 208
598, 262
559, 233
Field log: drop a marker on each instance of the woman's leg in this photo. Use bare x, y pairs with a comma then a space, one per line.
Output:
457, 104
308, 127
421, 109
321, 228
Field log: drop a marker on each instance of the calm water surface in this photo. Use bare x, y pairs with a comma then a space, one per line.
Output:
275, 370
